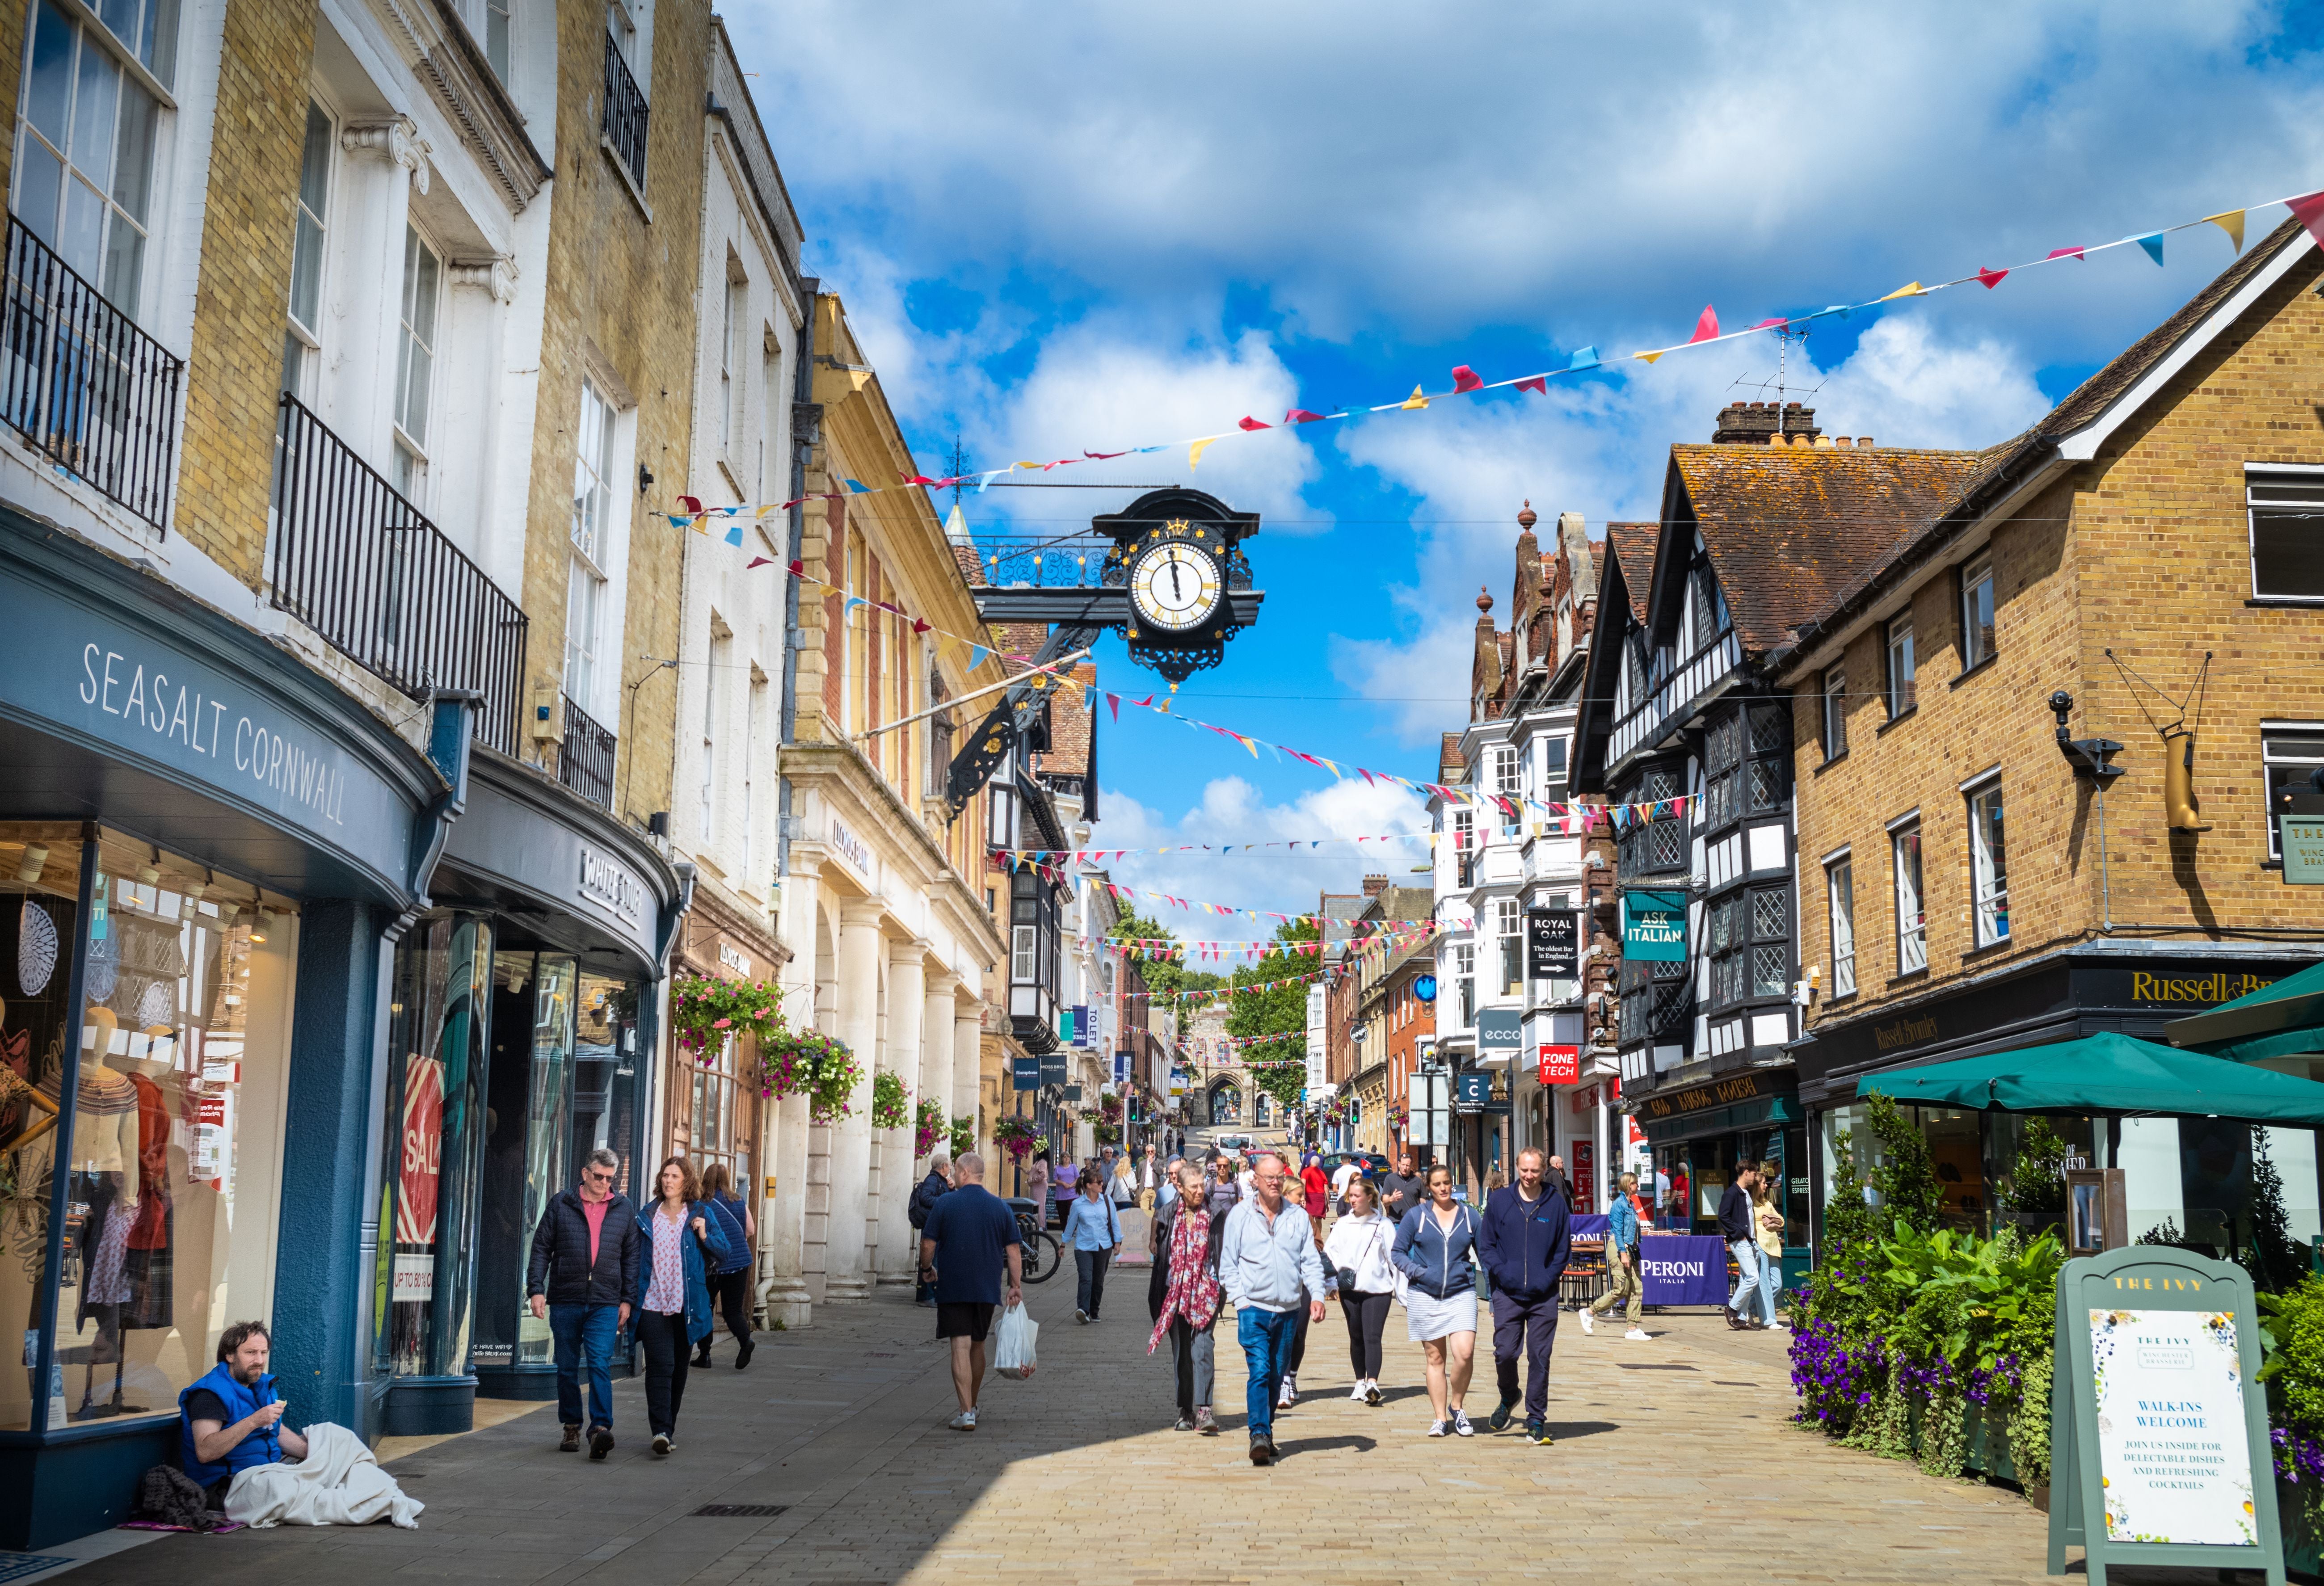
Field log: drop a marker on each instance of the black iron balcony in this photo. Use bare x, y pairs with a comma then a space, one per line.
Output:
82, 385
625, 114
586, 764
383, 585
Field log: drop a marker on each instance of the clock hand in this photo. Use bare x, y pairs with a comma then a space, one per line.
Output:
1175, 591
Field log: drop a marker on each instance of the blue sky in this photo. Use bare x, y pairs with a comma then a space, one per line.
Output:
1067, 228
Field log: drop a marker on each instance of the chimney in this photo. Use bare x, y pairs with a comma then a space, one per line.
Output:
1375, 885
1760, 423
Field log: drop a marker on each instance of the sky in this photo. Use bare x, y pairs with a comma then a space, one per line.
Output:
1066, 229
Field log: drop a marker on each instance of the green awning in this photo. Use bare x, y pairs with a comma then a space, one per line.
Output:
2277, 1020
2106, 1074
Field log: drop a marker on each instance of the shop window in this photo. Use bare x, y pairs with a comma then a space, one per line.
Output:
86, 138
1911, 923
1835, 712
171, 1183
2287, 532
1988, 864
1977, 612
2291, 755
1901, 695
1839, 898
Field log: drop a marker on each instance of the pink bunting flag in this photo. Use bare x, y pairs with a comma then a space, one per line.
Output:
2310, 212
1103, 456
692, 503
797, 570
1706, 328
920, 479
2063, 253
1539, 382
1301, 416
1991, 278
1465, 379
1248, 422
1114, 702
1776, 324
760, 562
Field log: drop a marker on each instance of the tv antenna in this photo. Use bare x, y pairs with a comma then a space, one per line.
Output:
1783, 375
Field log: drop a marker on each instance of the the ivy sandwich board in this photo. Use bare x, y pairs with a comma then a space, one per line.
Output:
2158, 1433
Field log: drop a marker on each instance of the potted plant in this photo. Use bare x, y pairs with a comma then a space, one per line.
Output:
815, 1065
891, 1102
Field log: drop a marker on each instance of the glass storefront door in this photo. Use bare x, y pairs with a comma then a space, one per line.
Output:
527, 1146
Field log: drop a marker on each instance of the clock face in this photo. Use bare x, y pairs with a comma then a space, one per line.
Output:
1175, 587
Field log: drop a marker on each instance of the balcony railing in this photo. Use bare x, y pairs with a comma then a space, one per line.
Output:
625, 114
83, 385
383, 585
586, 764
1673, 695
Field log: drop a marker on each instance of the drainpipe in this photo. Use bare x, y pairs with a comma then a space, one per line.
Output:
802, 393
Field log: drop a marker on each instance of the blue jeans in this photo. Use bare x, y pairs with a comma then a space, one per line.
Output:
584, 1337
1266, 1339
1770, 1280
1746, 1274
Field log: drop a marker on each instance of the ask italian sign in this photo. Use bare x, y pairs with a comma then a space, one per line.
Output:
1654, 926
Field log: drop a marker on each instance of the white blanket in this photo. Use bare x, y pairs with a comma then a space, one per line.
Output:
339, 1484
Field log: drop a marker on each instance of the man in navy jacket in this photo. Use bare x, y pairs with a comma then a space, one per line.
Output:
1525, 1242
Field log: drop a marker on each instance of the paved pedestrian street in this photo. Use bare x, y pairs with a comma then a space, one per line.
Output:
1674, 1462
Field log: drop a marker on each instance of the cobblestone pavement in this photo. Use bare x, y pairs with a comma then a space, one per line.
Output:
1674, 1462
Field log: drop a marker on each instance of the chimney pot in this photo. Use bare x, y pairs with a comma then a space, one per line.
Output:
1843, 440
1864, 440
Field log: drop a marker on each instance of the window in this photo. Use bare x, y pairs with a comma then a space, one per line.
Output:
1024, 945
1911, 924
1900, 666
415, 363
496, 36
713, 676
1839, 898
585, 601
1464, 845
1977, 612
1464, 974
84, 139
303, 336
2287, 532
752, 706
1554, 748
940, 732
1835, 712
729, 359
1707, 613
1502, 762
1988, 864
1509, 924
2288, 754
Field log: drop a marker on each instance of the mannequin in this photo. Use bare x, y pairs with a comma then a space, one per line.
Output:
25, 1112
147, 1261
103, 1145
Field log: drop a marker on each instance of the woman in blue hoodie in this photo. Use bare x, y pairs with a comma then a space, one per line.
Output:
683, 1240
1433, 1251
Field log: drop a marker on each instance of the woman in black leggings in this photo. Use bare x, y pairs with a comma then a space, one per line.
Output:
1355, 1253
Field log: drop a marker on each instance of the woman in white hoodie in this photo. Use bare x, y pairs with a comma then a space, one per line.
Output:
1357, 1254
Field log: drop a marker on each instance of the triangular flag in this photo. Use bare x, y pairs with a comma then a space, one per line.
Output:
692, 503
1194, 456
2062, 253
1301, 416
1248, 422
1649, 357
2152, 243
760, 562
1991, 278
1465, 379
1539, 382
1706, 328
2230, 221
1103, 456
701, 524
1415, 400
735, 532
976, 654
1114, 702
859, 487
1911, 288
2310, 212
1587, 358
1776, 324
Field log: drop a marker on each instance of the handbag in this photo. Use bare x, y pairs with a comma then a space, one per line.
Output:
1346, 1275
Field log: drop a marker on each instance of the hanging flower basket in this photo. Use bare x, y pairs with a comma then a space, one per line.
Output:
705, 1011
813, 1064
892, 1104
1016, 1135
930, 1127
963, 1136
1109, 1134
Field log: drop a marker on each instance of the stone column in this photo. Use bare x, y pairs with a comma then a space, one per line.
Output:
783, 1291
846, 1277
897, 1259
936, 1047
968, 1080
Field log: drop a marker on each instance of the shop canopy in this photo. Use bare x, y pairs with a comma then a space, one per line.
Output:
2106, 1074
2285, 1019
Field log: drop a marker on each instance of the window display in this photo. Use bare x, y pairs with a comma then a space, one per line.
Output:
39, 866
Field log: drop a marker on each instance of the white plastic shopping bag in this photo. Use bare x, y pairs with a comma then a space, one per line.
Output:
1013, 1352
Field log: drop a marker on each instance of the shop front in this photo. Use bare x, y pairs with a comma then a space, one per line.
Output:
713, 1114
521, 1036
205, 851
1701, 1136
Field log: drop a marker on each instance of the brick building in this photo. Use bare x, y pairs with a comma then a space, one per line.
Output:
1968, 884
1396, 1019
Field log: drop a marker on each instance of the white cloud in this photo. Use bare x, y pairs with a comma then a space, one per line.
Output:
1234, 811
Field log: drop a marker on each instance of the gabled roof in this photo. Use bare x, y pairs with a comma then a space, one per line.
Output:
1789, 528
1632, 546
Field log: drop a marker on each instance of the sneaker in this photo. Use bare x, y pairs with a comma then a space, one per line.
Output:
1780, 1322
750, 1347
1372, 1394
1461, 1425
601, 1441
1585, 1319
1436, 1429
964, 1422
1638, 1336
702, 1358
1262, 1452
1205, 1423
1080, 1314
661, 1447
1289, 1397
1357, 1393
1502, 1414
1538, 1432
572, 1443
1181, 1424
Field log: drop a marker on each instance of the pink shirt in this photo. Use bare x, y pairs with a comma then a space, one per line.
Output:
595, 1211
666, 1293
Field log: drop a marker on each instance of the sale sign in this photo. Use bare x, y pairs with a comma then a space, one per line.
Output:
422, 1154
1560, 1066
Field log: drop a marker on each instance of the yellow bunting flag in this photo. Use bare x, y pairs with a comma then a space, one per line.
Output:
1911, 288
2230, 221
701, 524
1415, 399
1648, 357
1194, 456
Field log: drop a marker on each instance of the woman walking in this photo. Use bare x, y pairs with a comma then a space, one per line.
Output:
1767, 1225
1185, 1298
729, 1280
1432, 1251
683, 1241
1357, 1254
1121, 1185
1037, 1189
1094, 1230
1317, 1188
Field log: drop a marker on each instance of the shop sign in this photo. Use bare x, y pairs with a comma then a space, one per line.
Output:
422, 1157
2303, 850
734, 958
1472, 1091
1025, 1073
1073, 1092
612, 887
1743, 1087
1499, 1029
1560, 1066
1585, 1175
1053, 1068
2206, 990
1904, 1032
1654, 926
852, 848
1586, 1100
1553, 938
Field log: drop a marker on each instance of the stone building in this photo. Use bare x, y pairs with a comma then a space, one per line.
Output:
1391, 1020
2138, 566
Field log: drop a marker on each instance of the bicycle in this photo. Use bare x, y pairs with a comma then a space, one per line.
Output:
1043, 1252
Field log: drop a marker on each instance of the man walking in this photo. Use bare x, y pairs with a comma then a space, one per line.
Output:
1734, 1227
1149, 1181
1524, 1240
583, 1271
924, 1199
1400, 1190
968, 1248
1621, 1262
1269, 1270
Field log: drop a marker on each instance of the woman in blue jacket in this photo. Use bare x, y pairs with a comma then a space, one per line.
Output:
1094, 1233
683, 1240
1432, 1250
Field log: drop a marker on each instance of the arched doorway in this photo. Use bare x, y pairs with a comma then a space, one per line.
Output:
1226, 1102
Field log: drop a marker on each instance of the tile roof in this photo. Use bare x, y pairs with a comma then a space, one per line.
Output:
1631, 545
1790, 528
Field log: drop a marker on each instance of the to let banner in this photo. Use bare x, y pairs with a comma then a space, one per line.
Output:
1552, 939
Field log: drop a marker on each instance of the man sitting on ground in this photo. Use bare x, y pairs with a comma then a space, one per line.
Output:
231, 1419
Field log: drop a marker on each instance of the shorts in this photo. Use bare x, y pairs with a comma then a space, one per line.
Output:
959, 1319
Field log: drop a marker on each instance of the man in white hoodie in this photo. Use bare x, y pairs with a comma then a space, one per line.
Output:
1268, 1267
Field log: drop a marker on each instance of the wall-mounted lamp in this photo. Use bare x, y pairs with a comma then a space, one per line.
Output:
36, 857
645, 479
2087, 756
261, 923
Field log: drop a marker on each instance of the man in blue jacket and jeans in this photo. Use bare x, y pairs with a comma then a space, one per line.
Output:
584, 1269
1525, 1242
